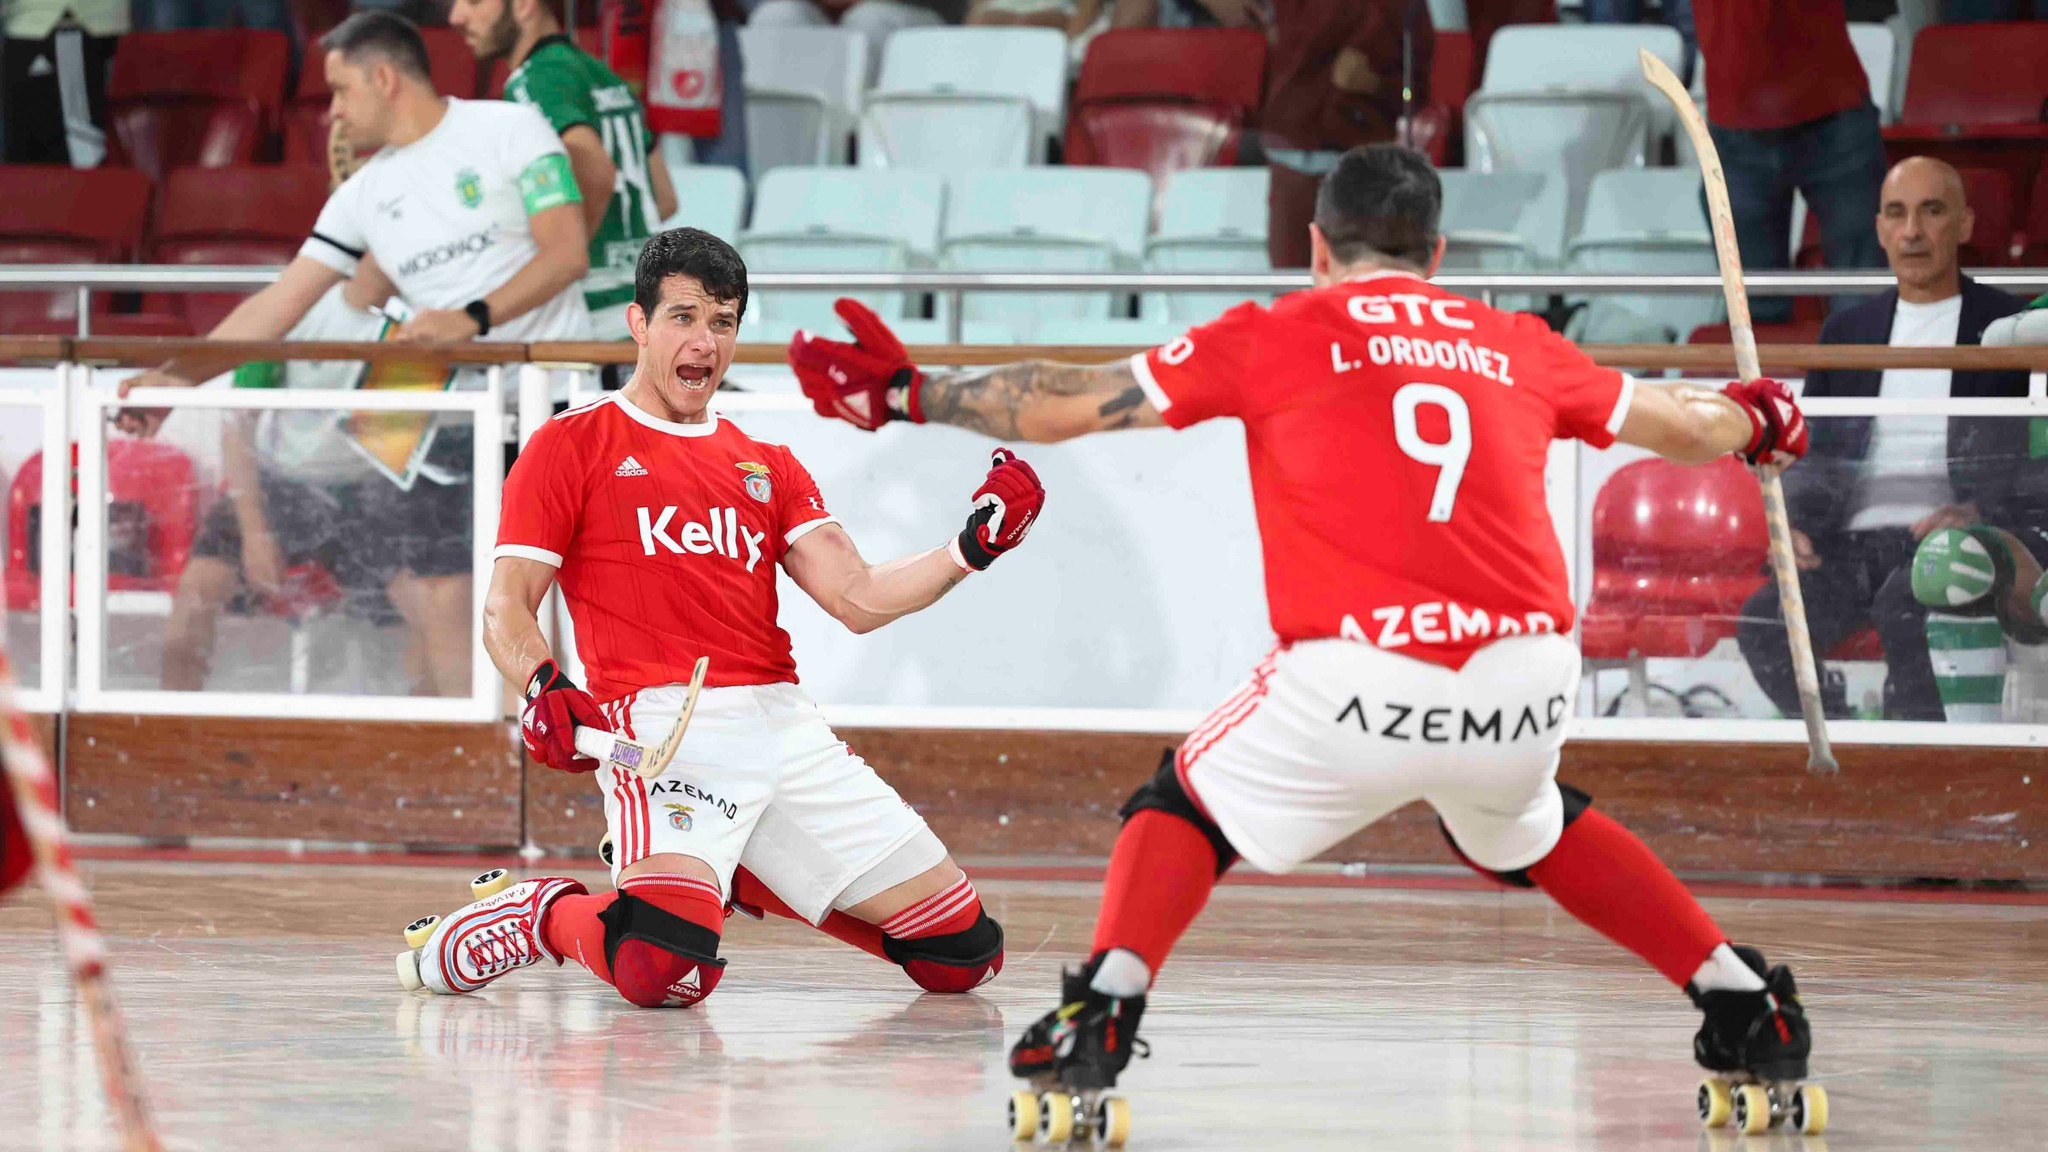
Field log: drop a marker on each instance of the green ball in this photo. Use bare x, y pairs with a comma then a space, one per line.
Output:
1952, 568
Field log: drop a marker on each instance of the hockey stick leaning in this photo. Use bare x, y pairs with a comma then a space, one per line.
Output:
1820, 756
620, 752
27, 772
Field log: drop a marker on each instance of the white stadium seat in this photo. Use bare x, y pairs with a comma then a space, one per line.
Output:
959, 98
1569, 99
708, 196
803, 94
841, 220
1644, 220
1044, 220
1878, 50
1502, 222
1210, 220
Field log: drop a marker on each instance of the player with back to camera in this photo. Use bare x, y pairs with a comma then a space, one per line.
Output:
1397, 437
663, 523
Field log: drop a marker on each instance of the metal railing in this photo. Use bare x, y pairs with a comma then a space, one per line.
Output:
85, 279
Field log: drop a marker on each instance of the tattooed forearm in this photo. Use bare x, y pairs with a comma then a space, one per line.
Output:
1035, 400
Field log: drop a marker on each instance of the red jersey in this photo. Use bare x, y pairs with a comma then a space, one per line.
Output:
1771, 64
1397, 436
666, 537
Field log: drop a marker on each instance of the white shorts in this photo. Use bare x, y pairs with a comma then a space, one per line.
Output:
1330, 735
760, 780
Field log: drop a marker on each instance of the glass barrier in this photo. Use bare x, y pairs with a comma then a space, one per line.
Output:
34, 548
289, 551
1920, 540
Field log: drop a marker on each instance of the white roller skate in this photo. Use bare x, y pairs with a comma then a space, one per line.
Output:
498, 933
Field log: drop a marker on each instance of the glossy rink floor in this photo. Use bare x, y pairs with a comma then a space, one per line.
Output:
266, 1017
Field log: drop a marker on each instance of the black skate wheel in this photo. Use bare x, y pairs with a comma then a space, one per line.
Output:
1023, 1115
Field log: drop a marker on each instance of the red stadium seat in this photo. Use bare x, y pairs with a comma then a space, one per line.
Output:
1165, 99
195, 98
449, 59
152, 517
254, 215
62, 215
2036, 234
1799, 330
1988, 191
1452, 77
1676, 551
1977, 96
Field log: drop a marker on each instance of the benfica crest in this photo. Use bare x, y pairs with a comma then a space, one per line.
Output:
678, 817
758, 484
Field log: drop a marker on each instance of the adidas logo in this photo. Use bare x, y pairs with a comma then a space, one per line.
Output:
629, 467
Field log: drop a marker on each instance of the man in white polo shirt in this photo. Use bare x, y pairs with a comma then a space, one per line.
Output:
469, 211
1872, 488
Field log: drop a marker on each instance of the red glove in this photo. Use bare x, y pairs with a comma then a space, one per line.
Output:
555, 708
866, 383
1005, 506
1777, 426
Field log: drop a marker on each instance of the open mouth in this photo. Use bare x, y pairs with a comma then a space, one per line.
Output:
695, 377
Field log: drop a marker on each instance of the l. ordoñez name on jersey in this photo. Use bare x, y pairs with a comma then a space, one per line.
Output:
441, 254
724, 534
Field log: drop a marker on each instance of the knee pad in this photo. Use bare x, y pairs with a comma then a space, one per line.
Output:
657, 958
1163, 793
956, 962
1575, 804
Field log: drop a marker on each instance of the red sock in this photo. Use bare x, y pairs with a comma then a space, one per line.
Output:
747, 889
1160, 875
1614, 884
573, 930
953, 910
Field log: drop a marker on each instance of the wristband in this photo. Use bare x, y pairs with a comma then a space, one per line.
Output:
953, 550
480, 312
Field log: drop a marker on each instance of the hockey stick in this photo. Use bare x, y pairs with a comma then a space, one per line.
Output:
27, 772
620, 752
1820, 757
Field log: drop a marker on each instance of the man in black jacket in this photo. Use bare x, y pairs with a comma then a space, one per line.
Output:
1872, 488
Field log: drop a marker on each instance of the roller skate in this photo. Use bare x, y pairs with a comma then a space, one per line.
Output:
498, 933
1756, 1044
1071, 1057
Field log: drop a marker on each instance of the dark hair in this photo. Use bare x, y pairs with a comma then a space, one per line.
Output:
690, 252
1382, 200
384, 34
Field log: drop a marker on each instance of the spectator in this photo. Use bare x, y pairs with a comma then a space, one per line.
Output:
625, 184
1676, 13
1871, 488
1188, 13
1981, 11
877, 18
1072, 17
1789, 108
1334, 80
54, 70
1485, 17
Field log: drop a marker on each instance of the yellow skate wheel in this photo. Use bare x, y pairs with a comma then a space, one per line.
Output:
1023, 1115
1752, 1109
490, 883
1810, 1109
1716, 1104
1112, 1121
409, 970
417, 932
1055, 1117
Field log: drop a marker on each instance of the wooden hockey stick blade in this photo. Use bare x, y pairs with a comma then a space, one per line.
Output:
1820, 755
658, 763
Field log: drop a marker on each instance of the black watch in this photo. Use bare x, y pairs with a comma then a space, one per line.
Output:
481, 313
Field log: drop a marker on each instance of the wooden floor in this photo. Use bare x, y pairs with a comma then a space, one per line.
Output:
266, 1017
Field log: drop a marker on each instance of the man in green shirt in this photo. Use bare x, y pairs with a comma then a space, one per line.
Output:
625, 186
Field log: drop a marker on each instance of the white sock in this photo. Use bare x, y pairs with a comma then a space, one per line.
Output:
1123, 975
1724, 971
